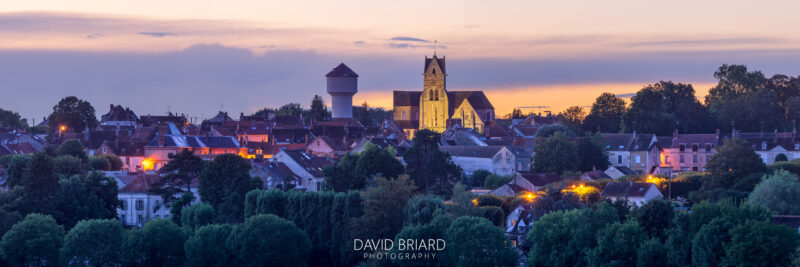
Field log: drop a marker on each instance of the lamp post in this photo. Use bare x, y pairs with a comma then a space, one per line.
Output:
61, 129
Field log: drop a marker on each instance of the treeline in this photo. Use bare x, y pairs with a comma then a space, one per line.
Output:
744, 99
713, 234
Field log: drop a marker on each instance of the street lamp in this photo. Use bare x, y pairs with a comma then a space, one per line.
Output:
61, 129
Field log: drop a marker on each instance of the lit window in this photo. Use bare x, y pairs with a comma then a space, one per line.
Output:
638, 159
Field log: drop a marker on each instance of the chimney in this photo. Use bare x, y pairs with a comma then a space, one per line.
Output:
160, 139
675, 134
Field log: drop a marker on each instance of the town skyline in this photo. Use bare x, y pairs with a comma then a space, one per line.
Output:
521, 53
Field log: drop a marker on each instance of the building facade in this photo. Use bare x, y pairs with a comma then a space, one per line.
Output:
435, 108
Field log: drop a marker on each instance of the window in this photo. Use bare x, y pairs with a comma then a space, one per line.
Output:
436, 95
158, 203
637, 159
122, 218
123, 205
683, 148
764, 145
105, 149
139, 205
708, 147
708, 157
796, 146
694, 158
619, 159
139, 219
404, 115
681, 159
431, 95
694, 148
694, 169
666, 159
434, 71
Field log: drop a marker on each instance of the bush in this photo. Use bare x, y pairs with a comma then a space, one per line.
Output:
93, 243
279, 242
493, 181
207, 247
99, 164
194, 217
34, 241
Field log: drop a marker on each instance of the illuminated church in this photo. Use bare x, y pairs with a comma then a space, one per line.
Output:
437, 109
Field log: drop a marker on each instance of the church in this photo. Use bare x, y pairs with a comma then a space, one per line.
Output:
435, 108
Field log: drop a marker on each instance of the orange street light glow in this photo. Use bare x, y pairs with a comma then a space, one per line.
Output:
475, 201
62, 128
147, 164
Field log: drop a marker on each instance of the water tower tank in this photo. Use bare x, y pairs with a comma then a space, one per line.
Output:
342, 85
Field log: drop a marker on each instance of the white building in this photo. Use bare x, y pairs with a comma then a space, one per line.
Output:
500, 160
304, 165
636, 193
137, 206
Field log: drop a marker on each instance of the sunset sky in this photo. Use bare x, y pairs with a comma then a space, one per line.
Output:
193, 56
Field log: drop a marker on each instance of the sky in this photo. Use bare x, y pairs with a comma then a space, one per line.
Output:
199, 57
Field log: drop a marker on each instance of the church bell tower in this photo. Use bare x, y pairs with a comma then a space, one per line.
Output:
433, 101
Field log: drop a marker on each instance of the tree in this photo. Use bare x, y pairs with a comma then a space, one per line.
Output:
158, 243
733, 160
116, 162
709, 243
176, 209
572, 118
196, 216
592, 154
431, 169
755, 111
99, 164
363, 115
66, 166
375, 161
477, 242
432, 230
39, 182
549, 130
291, 109
318, 110
223, 184
493, 181
383, 208
93, 243
478, 177
34, 241
652, 253
617, 245
279, 242
421, 209
12, 119
605, 115
516, 114
207, 246
793, 110
779, 192
555, 154
341, 177
654, 217
733, 81
758, 242
74, 113
93, 196
565, 238
74, 148
181, 170
648, 113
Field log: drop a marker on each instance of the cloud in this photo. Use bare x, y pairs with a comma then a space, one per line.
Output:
666, 41
409, 39
360, 43
94, 36
413, 46
626, 95
157, 34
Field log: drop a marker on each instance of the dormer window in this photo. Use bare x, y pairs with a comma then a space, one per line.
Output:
708, 147
764, 145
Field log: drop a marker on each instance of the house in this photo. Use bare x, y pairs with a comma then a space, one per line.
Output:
688, 152
308, 167
119, 116
635, 193
324, 146
616, 172
275, 175
157, 151
460, 136
525, 182
499, 160
770, 145
519, 222
594, 175
137, 206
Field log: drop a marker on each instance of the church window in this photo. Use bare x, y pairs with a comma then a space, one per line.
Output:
431, 95
436, 94
434, 71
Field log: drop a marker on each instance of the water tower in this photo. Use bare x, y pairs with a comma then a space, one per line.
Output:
342, 85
